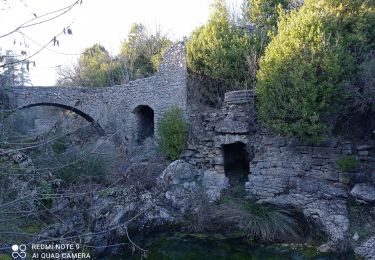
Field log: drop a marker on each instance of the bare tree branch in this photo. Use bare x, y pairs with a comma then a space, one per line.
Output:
26, 24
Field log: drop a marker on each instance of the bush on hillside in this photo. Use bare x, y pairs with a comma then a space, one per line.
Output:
316, 53
263, 14
80, 168
218, 49
173, 132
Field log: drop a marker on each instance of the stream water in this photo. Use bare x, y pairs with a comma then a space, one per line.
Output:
196, 247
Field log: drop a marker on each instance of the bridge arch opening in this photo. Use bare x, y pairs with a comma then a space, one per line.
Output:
88, 118
145, 123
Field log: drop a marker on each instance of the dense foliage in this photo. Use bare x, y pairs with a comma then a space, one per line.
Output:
97, 65
140, 55
219, 49
316, 53
262, 17
95, 68
263, 14
173, 133
142, 51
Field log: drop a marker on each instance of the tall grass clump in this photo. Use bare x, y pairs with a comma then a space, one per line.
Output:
234, 215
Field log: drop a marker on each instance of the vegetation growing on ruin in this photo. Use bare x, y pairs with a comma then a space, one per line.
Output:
308, 74
173, 131
348, 163
312, 63
139, 57
218, 49
142, 51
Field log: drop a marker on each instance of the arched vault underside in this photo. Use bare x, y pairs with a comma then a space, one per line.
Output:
87, 117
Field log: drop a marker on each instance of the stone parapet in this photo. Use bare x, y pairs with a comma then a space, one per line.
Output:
239, 97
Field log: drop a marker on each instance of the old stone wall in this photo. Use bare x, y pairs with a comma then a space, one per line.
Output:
281, 170
280, 165
113, 107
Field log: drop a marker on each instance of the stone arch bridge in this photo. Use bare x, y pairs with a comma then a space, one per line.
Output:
118, 108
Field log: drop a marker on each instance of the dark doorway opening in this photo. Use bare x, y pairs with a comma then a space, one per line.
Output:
145, 123
236, 163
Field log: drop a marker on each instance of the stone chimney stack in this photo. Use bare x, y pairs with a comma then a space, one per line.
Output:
239, 112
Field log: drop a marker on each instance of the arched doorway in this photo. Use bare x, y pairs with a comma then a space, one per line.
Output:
236, 163
145, 123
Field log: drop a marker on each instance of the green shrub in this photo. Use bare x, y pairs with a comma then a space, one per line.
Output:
33, 228
81, 168
95, 68
5, 257
143, 51
263, 14
316, 52
348, 163
45, 199
218, 49
59, 146
173, 132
